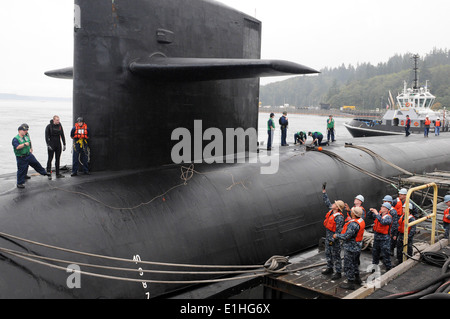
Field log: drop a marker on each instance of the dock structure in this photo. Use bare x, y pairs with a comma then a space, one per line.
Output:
306, 281
441, 178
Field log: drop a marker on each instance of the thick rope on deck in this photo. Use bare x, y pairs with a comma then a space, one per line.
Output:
372, 153
359, 169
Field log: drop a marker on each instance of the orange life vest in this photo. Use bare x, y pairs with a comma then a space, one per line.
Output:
349, 217
401, 224
80, 131
330, 222
380, 228
446, 218
427, 122
399, 207
362, 225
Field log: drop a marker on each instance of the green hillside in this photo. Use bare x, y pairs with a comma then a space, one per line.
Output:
365, 86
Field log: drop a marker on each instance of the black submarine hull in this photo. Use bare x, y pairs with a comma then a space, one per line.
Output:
221, 214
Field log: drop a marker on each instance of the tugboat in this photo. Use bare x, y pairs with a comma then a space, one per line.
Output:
415, 102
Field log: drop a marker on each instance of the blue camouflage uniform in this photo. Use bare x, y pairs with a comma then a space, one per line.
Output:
333, 246
394, 228
382, 242
351, 250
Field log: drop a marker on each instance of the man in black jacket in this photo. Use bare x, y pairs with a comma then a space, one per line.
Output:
54, 133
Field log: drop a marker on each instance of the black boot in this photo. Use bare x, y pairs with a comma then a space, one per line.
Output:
336, 276
358, 280
327, 271
349, 285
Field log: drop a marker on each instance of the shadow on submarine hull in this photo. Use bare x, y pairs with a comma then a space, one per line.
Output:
223, 214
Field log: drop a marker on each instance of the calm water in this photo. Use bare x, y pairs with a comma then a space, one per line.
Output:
37, 114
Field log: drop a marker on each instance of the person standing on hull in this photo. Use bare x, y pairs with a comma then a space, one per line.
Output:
300, 138
330, 129
407, 126
437, 127
283, 126
317, 139
352, 233
427, 126
382, 240
80, 135
27, 127
270, 131
334, 221
24, 156
54, 134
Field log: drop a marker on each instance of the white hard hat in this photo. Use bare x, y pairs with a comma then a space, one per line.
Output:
360, 197
403, 191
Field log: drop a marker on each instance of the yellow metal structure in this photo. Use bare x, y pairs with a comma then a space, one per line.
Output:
418, 221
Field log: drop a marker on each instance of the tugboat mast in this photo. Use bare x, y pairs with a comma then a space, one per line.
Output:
416, 68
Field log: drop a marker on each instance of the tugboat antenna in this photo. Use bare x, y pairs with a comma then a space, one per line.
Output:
416, 81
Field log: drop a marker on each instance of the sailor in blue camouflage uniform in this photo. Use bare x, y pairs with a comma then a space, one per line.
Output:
394, 214
334, 221
382, 238
352, 233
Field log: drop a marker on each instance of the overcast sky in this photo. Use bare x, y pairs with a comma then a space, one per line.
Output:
37, 35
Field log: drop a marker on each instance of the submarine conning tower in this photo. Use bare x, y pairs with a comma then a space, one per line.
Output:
144, 68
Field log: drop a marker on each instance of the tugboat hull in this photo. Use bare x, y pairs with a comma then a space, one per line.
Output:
363, 128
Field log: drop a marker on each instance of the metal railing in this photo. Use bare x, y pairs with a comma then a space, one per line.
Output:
420, 220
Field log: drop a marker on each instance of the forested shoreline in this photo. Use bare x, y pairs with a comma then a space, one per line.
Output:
365, 86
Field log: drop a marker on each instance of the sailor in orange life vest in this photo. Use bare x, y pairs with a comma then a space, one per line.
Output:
446, 218
358, 201
437, 127
427, 126
334, 221
397, 204
80, 135
407, 126
382, 240
351, 235
393, 212
401, 230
